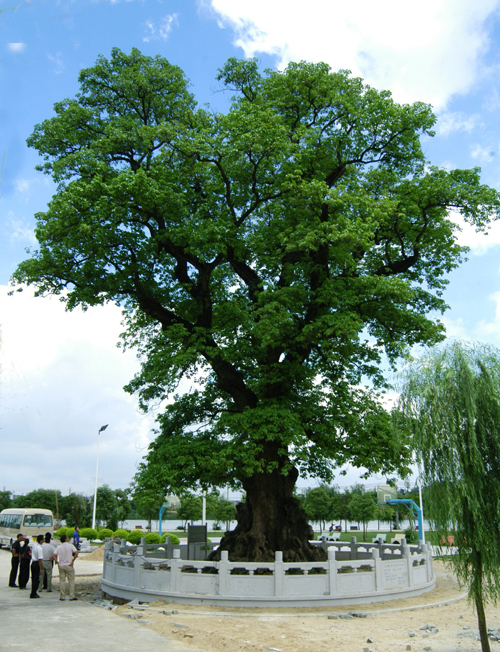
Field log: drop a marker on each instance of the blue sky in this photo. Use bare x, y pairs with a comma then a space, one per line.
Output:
61, 374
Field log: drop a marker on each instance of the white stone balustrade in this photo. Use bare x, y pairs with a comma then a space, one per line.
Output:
354, 573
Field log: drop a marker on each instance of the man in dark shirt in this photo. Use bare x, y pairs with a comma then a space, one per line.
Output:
24, 564
16, 550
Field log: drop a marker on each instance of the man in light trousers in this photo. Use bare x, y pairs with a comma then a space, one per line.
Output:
47, 563
65, 556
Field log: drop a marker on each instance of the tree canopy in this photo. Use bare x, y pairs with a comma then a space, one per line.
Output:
220, 509
43, 499
191, 508
5, 500
109, 506
318, 503
363, 508
272, 255
450, 405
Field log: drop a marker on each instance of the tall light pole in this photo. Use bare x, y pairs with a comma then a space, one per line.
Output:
96, 469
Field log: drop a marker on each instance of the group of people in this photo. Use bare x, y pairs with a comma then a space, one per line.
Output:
41, 557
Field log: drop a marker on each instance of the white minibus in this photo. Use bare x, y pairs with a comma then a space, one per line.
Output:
27, 521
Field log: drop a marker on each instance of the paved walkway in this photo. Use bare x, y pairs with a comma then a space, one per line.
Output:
29, 624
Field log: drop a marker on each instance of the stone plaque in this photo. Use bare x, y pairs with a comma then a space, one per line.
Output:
395, 574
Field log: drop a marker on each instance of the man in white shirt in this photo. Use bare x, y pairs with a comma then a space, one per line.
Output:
65, 556
47, 563
36, 566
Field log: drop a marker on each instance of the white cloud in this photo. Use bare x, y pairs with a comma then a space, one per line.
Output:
62, 378
17, 48
490, 331
426, 51
161, 31
492, 101
57, 60
481, 154
478, 241
455, 328
450, 122
22, 185
25, 187
19, 229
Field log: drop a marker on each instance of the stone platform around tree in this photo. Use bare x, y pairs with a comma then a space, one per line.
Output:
354, 573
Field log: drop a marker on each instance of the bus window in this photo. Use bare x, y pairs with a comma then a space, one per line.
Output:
11, 520
37, 520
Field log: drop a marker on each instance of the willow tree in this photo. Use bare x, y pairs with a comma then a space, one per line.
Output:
271, 254
450, 404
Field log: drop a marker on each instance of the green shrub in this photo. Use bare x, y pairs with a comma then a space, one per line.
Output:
411, 535
88, 533
174, 539
104, 533
152, 537
121, 533
68, 531
135, 537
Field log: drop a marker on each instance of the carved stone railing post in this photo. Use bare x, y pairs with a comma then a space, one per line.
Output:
279, 573
175, 569
332, 571
223, 566
116, 552
406, 555
107, 565
138, 571
428, 560
377, 567
354, 549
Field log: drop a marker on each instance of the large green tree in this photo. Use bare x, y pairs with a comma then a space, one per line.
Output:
450, 404
271, 254
40, 498
77, 510
5, 500
191, 508
220, 509
123, 505
107, 507
318, 505
363, 508
147, 503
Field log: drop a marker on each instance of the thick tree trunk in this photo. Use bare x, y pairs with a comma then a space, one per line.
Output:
270, 519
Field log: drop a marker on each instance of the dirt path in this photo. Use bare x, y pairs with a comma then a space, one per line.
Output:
388, 625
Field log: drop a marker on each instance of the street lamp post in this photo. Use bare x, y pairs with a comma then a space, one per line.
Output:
96, 469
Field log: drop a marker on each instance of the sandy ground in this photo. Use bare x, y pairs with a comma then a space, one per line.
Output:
95, 555
388, 625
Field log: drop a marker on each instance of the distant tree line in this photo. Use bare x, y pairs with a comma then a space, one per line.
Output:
114, 506
327, 504
218, 508
324, 505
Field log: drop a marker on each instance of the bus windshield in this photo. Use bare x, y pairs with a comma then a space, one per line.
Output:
37, 520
